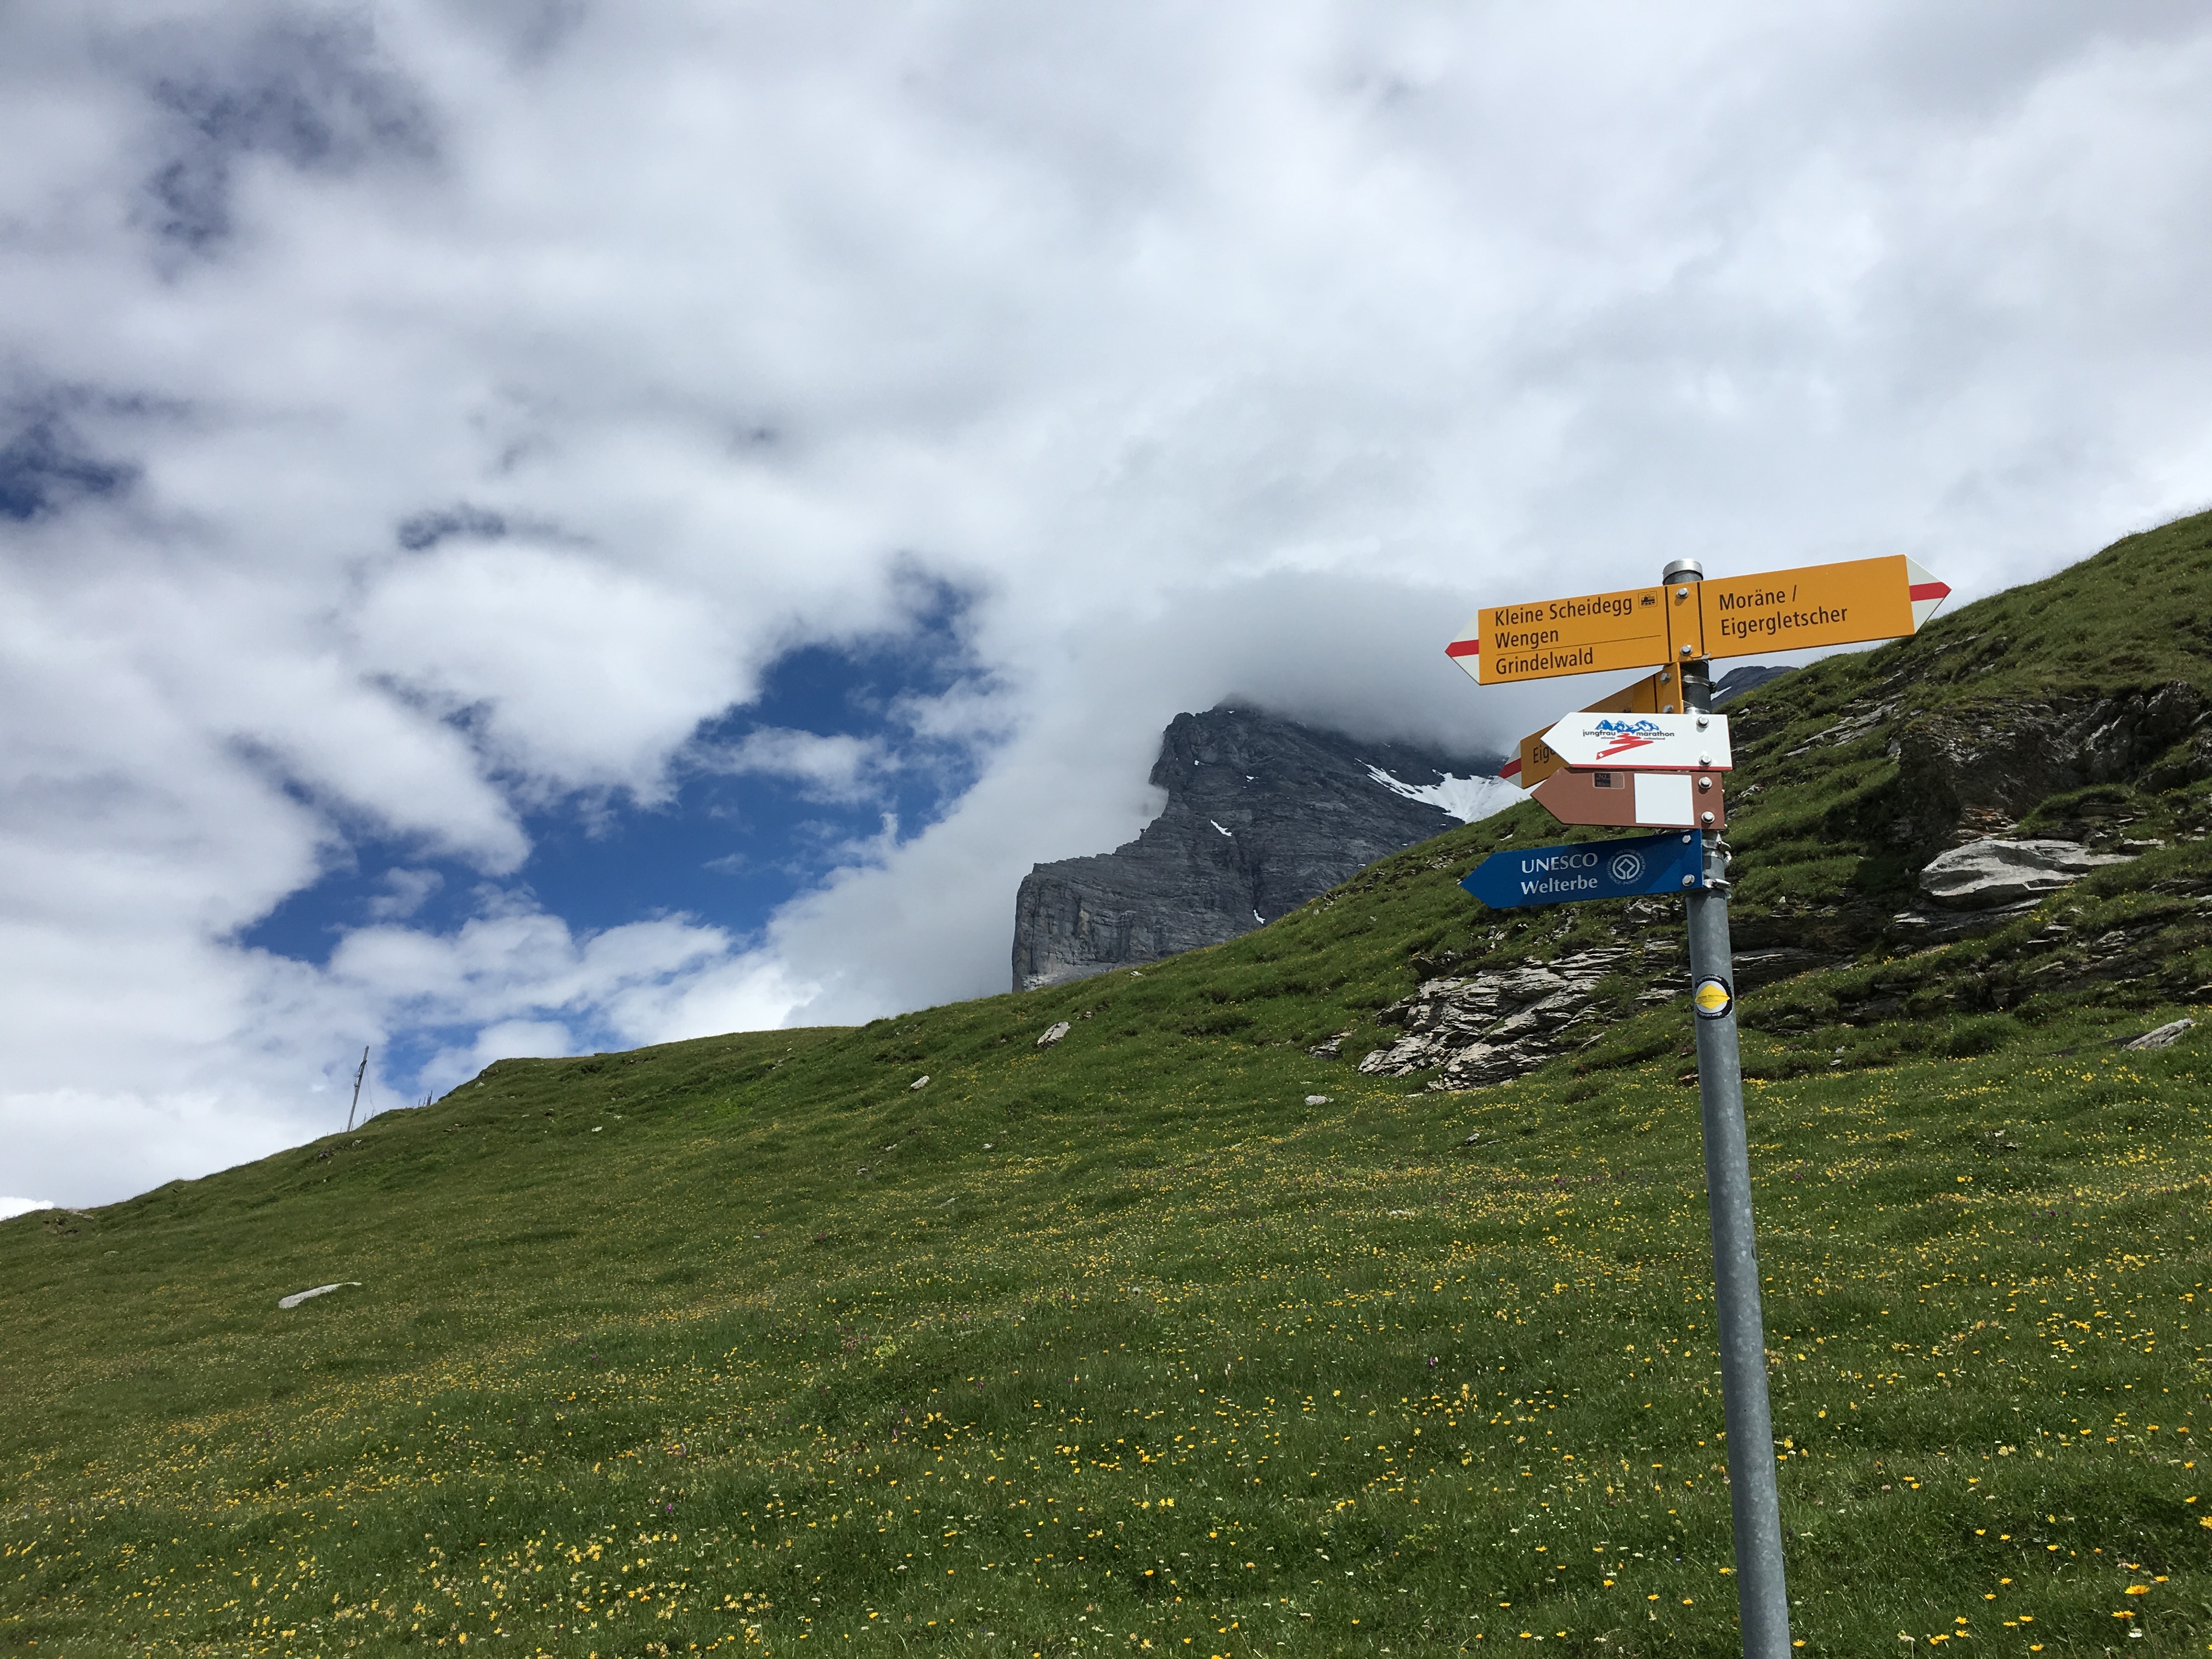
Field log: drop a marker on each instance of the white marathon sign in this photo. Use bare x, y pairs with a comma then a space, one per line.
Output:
1643, 743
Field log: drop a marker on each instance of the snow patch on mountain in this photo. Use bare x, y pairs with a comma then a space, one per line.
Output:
1465, 799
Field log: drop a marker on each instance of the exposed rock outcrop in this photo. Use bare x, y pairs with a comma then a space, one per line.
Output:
1263, 814
1493, 1027
1963, 772
1984, 874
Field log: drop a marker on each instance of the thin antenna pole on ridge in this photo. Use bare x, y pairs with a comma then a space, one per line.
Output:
357, 1077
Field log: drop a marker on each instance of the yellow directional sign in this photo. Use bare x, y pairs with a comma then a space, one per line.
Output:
1820, 604
1655, 694
1849, 603
1507, 644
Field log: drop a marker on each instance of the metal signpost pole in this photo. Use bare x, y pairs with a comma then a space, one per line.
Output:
1641, 745
1753, 1496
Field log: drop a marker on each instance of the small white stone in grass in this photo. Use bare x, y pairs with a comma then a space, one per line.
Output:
1052, 1034
2165, 1037
919, 1081
1318, 1100
596, 1128
298, 1296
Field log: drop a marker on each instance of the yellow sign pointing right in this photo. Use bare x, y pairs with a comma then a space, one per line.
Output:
1818, 605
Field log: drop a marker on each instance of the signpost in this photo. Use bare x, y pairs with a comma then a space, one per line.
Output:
1630, 762
1643, 800
1691, 620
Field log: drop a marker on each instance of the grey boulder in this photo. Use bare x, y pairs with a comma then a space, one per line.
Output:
1984, 874
2165, 1037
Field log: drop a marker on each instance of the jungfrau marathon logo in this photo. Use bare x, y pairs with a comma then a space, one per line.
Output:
1622, 735
1626, 867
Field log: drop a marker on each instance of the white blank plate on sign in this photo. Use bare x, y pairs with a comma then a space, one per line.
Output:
1665, 800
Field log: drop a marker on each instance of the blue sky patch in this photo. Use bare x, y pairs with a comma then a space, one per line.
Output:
769, 798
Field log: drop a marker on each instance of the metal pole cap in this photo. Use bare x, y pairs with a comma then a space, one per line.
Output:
1684, 570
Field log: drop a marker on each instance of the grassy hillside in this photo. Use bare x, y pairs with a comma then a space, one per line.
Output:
1127, 1344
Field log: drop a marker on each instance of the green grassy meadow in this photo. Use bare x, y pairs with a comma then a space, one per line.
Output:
1127, 1345
747, 1344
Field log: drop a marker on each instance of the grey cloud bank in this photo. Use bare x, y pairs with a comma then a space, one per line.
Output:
414, 416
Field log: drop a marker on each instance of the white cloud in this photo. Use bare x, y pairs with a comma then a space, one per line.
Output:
404, 892
508, 1039
833, 768
587, 676
11, 1207
479, 429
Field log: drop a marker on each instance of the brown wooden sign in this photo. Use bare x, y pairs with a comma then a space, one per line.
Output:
1647, 800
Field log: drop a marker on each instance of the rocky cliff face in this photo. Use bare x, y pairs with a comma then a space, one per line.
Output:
1263, 814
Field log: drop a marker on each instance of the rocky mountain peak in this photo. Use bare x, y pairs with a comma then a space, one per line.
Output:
1263, 813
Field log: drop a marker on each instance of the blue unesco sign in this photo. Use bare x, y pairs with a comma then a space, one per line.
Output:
1632, 868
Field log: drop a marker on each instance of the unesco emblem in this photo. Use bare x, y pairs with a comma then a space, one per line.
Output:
1626, 868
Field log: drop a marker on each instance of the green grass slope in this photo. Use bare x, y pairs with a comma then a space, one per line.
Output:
750, 1345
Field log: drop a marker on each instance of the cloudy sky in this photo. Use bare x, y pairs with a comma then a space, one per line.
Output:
537, 526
